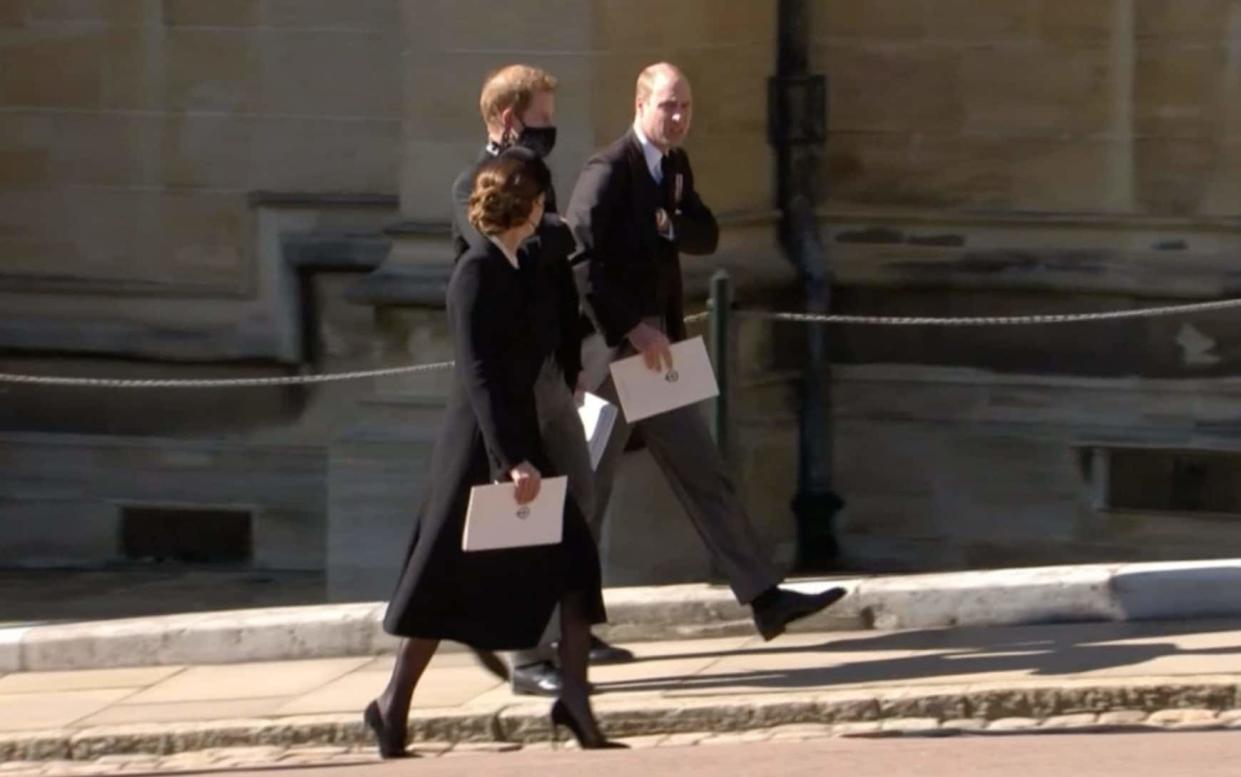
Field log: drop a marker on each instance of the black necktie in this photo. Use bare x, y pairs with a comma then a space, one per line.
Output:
669, 183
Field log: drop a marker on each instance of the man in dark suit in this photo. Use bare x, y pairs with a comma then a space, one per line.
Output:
634, 210
518, 106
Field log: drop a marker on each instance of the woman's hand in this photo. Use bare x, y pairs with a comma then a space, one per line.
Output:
527, 481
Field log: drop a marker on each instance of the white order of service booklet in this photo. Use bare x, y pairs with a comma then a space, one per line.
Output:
598, 416
644, 392
494, 520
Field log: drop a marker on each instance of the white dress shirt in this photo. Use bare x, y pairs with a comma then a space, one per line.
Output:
654, 163
654, 157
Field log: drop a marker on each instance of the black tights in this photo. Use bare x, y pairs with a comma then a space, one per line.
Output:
414, 654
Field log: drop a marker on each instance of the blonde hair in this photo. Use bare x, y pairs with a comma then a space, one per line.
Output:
513, 87
505, 191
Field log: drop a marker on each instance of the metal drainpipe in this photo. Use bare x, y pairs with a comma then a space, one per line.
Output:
797, 123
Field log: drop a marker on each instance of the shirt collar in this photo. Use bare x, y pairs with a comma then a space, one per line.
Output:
654, 157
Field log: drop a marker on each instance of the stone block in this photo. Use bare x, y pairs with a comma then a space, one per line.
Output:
910, 725
1035, 90
1189, 20
56, 527
694, 24
1222, 195
1177, 91
328, 155
427, 173
1013, 725
872, 168
57, 69
1172, 176
732, 172
990, 23
448, 25
219, 13
893, 20
213, 70
1069, 722
1123, 718
13, 13
1069, 176
218, 152
354, 15
374, 489
991, 598
1183, 719
1177, 591
25, 167
894, 89
11, 648
1074, 22
345, 74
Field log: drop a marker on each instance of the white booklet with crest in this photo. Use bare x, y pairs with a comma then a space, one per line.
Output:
494, 520
644, 392
598, 416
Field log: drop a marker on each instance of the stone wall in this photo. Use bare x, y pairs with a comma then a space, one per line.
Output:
132, 131
1118, 106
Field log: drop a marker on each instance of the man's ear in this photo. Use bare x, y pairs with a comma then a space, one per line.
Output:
507, 119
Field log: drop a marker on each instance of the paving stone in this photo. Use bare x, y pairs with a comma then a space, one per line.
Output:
800, 731
483, 748
1183, 719
1064, 722
1013, 725
863, 729
1123, 718
644, 743
738, 738
964, 724
128, 759
910, 725
685, 739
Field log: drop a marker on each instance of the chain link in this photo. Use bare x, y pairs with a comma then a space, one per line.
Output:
804, 318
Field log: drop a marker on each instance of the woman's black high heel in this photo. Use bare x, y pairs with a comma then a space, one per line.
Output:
375, 721
562, 717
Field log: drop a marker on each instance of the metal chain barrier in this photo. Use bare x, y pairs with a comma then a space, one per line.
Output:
804, 318
1053, 318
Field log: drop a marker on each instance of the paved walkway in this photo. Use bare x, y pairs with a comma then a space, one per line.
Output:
867, 683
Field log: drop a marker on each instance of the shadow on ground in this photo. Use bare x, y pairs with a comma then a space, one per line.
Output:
1035, 651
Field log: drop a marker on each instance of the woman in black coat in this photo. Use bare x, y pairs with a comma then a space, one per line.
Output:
504, 311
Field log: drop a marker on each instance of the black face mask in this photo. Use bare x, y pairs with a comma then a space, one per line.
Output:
540, 140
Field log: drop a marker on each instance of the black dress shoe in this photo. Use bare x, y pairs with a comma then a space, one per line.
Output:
601, 653
541, 679
491, 662
776, 609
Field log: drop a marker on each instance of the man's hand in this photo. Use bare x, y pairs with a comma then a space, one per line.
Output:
663, 223
527, 481
654, 346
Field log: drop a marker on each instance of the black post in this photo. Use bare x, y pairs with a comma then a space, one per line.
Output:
798, 130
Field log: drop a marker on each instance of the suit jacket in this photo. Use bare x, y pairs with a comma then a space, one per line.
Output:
550, 247
626, 270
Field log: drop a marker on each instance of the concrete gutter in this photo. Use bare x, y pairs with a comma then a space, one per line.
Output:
1047, 706
1103, 592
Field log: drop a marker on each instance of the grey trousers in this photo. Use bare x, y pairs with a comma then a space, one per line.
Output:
682, 446
565, 443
